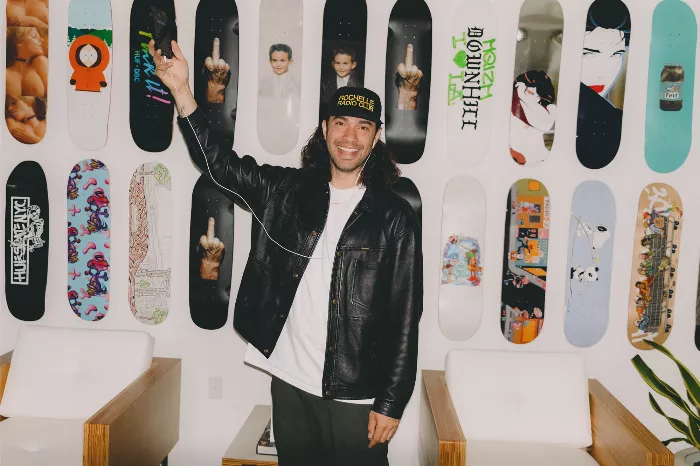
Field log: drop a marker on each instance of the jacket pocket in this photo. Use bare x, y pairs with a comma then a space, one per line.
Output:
365, 285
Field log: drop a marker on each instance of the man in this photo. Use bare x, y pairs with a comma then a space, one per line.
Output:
331, 296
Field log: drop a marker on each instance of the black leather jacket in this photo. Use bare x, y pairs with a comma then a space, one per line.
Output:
376, 296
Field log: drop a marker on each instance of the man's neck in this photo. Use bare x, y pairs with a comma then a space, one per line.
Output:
344, 180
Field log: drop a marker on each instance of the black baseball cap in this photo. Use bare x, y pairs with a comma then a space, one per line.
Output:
357, 102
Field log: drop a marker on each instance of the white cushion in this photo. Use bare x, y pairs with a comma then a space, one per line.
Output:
520, 396
61, 373
491, 453
41, 442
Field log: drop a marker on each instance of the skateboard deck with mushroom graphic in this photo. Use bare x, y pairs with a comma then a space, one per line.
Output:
89, 221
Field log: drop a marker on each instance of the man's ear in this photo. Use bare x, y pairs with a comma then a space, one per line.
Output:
324, 127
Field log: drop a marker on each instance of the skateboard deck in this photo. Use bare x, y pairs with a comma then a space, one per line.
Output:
211, 255
589, 266
654, 262
150, 237
463, 235
89, 72
216, 53
407, 189
669, 117
27, 241
151, 108
525, 257
89, 254
603, 78
471, 77
407, 84
533, 111
279, 74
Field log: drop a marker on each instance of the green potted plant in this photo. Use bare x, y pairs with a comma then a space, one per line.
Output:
690, 431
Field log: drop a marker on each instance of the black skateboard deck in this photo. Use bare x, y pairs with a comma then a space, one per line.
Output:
27, 241
407, 189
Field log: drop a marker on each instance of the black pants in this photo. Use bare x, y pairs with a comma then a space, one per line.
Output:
311, 431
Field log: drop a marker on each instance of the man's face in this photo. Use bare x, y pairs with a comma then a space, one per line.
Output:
280, 62
350, 140
343, 64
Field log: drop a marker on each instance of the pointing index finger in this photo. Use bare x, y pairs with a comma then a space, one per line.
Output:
216, 50
210, 229
409, 56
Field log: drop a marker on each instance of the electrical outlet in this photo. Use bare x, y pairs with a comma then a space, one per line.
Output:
216, 386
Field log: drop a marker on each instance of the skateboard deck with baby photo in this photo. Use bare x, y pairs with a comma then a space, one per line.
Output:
463, 234
657, 240
279, 74
589, 267
211, 255
670, 86
525, 257
533, 111
26, 241
407, 83
89, 72
407, 189
216, 55
88, 222
152, 109
472, 71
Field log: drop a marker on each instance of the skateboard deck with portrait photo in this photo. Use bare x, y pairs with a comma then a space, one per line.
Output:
89, 255
657, 240
150, 239
589, 266
603, 80
407, 83
670, 86
408, 190
216, 58
533, 111
279, 74
211, 255
152, 107
26, 241
525, 257
89, 72
463, 235
471, 76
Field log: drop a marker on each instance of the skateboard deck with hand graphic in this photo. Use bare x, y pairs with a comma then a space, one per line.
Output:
408, 190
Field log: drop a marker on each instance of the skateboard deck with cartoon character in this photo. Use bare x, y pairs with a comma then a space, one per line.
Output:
89, 221
657, 241
408, 190
525, 257
589, 266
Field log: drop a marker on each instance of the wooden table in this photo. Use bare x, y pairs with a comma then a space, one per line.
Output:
241, 452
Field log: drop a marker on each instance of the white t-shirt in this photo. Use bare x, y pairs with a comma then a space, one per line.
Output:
299, 355
341, 82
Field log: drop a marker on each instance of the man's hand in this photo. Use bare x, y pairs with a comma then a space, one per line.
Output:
408, 81
213, 253
381, 428
174, 73
218, 74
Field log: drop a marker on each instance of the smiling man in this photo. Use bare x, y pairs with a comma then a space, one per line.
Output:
332, 293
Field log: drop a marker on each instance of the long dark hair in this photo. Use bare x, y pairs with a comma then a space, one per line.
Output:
610, 15
542, 84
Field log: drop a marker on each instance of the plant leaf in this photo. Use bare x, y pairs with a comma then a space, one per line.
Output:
694, 432
691, 383
675, 423
675, 439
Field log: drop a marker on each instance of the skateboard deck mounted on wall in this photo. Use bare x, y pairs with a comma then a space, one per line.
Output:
533, 111
657, 240
216, 56
408, 190
407, 84
90, 72
88, 234
526, 251
151, 108
589, 266
150, 238
463, 235
26, 241
669, 118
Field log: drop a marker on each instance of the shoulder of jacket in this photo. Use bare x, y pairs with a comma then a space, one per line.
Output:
399, 213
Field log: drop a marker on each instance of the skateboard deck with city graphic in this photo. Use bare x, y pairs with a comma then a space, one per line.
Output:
408, 67
533, 111
408, 190
589, 266
88, 222
525, 257
657, 241
463, 234
669, 113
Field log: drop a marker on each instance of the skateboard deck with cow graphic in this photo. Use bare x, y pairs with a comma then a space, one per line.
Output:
26, 241
408, 190
90, 72
526, 251
88, 235
407, 83
211, 255
471, 77
589, 266
150, 238
533, 110
216, 55
657, 240
151, 110
463, 236
670, 86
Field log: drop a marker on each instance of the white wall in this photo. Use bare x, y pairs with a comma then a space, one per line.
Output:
207, 426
